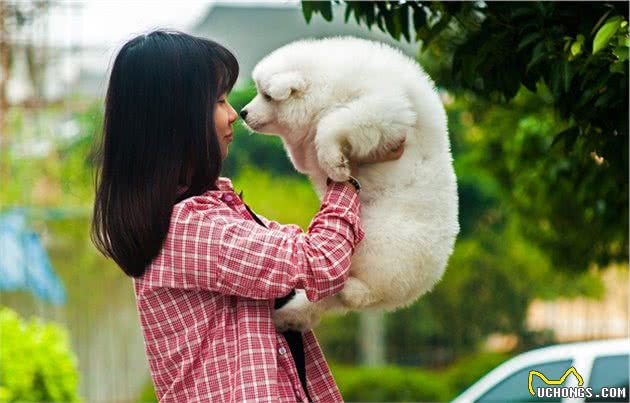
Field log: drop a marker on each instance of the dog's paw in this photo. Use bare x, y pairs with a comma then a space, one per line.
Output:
335, 164
298, 314
356, 294
389, 145
394, 143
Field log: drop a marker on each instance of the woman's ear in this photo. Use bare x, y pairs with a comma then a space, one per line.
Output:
282, 85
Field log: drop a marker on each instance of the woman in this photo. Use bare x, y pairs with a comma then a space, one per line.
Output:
206, 270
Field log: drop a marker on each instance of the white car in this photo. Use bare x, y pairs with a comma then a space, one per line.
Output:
600, 374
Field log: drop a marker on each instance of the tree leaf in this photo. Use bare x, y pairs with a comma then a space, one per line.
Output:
419, 18
404, 21
526, 10
567, 75
537, 54
621, 52
606, 32
348, 12
360, 9
528, 39
392, 22
435, 30
617, 68
325, 7
369, 14
568, 136
576, 47
307, 10
379, 22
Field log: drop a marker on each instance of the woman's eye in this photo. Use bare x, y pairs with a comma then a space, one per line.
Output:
221, 101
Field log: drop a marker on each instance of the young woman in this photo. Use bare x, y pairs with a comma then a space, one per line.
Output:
206, 270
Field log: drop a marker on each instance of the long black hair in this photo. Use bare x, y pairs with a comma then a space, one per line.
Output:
158, 137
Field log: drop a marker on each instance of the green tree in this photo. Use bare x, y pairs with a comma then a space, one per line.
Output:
574, 56
36, 362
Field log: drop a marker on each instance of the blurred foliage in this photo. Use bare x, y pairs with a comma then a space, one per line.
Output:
390, 384
565, 177
147, 394
396, 384
569, 203
49, 156
36, 363
468, 369
284, 199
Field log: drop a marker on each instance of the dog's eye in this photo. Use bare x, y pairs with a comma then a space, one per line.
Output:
266, 96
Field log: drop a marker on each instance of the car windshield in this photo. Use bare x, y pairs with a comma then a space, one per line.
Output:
609, 372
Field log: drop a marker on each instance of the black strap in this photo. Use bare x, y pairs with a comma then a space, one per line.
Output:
293, 338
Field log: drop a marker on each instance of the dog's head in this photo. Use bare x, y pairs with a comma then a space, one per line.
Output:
282, 104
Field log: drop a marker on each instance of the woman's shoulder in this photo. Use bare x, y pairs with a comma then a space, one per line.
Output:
225, 184
211, 202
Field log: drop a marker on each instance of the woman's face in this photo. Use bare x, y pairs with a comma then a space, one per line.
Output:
224, 116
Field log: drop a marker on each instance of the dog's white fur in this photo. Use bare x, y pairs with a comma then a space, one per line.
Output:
345, 98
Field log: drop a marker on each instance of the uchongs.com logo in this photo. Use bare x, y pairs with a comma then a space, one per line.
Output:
579, 391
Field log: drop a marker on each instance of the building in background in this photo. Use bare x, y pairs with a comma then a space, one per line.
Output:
579, 319
252, 30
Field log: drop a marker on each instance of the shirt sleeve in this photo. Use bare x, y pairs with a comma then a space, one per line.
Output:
290, 229
233, 255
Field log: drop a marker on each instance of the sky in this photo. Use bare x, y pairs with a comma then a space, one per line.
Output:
112, 22
99, 28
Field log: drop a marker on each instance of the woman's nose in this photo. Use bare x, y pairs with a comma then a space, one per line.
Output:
233, 114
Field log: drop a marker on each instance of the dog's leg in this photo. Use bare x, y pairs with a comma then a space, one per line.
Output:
356, 294
365, 127
298, 314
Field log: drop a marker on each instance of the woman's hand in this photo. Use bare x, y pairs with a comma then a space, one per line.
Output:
391, 155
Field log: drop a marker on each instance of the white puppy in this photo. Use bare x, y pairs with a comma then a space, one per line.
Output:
341, 99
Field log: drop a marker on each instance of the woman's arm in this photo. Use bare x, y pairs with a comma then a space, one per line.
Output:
236, 256
289, 229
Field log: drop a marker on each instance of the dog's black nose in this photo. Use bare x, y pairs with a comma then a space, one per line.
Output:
243, 113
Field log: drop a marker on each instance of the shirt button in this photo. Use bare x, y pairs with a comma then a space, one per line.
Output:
228, 198
282, 350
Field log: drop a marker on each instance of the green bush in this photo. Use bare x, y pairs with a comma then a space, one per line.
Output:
395, 384
390, 384
147, 395
36, 363
470, 369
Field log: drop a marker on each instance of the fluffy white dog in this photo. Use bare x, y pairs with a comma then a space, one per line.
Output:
340, 99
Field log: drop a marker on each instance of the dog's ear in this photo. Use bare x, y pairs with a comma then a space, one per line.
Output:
282, 85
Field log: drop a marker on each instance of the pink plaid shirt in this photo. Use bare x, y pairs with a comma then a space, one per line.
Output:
205, 303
